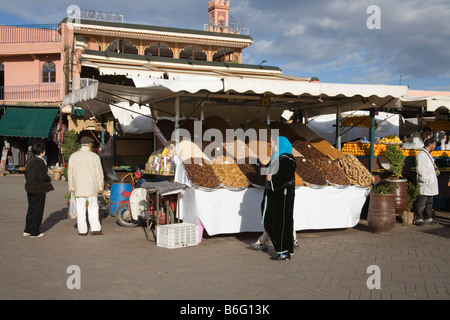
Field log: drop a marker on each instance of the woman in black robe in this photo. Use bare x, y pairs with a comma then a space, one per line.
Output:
278, 201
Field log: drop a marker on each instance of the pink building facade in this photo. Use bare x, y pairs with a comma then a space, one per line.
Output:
32, 64
33, 83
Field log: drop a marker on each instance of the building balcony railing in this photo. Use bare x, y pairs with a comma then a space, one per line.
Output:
36, 92
80, 83
29, 33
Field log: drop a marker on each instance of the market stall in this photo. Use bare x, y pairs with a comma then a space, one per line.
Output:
439, 124
232, 207
223, 211
327, 196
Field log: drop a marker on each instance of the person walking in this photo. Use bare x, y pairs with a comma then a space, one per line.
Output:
262, 242
37, 184
278, 200
85, 178
428, 182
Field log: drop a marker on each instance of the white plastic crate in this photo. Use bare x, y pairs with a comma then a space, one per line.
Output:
177, 235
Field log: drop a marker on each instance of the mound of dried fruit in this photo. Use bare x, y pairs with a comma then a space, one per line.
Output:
228, 173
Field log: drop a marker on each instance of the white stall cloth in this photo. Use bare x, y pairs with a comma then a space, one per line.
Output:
223, 211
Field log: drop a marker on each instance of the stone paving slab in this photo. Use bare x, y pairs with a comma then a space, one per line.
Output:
122, 265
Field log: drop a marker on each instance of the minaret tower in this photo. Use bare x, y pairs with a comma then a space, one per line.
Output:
218, 15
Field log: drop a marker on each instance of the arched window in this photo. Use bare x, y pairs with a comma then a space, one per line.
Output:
159, 49
225, 55
48, 72
123, 46
193, 53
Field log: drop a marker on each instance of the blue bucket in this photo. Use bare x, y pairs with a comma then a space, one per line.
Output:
116, 189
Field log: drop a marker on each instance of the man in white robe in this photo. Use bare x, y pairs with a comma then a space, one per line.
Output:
85, 178
428, 182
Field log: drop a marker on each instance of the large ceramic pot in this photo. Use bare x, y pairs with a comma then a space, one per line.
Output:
400, 195
381, 212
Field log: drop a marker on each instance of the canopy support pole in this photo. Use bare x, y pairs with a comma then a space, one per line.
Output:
338, 128
177, 112
372, 137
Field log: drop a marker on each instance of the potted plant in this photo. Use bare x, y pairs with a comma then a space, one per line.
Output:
70, 145
413, 192
381, 212
67, 196
396, 162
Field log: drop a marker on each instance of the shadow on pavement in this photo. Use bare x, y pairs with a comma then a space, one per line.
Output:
53, 219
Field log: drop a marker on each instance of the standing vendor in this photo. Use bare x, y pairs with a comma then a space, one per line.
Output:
419, 138
428, 182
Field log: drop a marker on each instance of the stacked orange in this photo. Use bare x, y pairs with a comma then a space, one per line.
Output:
357, 149
363, 149
441, 153
410, 152
379, 149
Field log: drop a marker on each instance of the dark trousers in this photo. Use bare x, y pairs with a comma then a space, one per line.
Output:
36, 203
424, 207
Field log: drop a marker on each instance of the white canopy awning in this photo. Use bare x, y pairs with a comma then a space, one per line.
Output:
297, 88
314, 98
190, 84
317, 98
431, 103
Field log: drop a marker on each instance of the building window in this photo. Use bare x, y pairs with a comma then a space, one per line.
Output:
123, 46
159, 49
225, 55
49, 72
193, 53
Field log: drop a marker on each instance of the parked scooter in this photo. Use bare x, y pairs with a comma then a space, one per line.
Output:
140, 208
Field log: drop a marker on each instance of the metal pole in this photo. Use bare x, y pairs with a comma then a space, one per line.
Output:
338, 128
372, 137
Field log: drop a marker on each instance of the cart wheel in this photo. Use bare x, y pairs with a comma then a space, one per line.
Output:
123, 216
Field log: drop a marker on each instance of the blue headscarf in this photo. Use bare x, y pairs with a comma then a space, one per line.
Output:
284, 146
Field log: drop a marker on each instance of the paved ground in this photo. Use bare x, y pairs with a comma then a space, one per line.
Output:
414, 261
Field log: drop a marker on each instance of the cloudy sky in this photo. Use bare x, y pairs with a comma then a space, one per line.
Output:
391, 42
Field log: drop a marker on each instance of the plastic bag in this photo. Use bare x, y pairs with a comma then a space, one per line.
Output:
72, 208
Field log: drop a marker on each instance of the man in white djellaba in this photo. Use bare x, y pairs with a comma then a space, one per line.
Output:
427, 173
85, 179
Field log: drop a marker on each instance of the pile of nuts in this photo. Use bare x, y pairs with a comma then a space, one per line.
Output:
253, 174
261, 149
309, 173
212, 149
327, 149
331, 172
216, 122
308, 150
239, 150
237, 164
202, 174
188, 150
284, 130
355, 170
228, 173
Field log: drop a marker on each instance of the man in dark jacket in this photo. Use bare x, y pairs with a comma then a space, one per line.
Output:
37, 184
